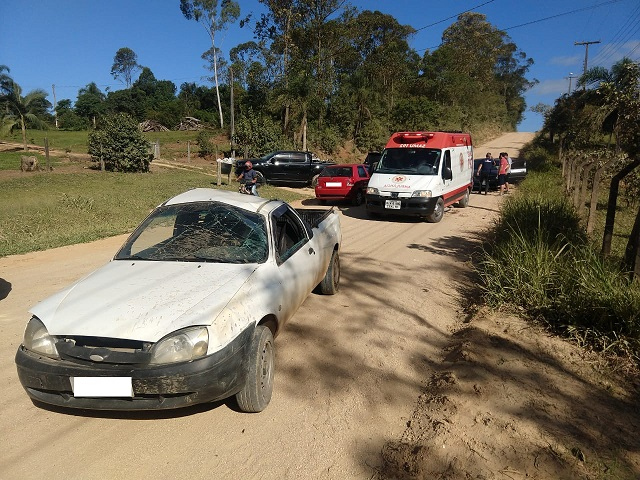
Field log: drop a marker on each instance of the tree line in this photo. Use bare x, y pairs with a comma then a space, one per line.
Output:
317, 73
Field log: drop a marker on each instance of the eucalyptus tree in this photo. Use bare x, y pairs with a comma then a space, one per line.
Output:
478, 72
125, 63
22, 111
215, 17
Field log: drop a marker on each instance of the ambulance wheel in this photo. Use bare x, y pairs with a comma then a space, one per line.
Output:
464, 201
438, 212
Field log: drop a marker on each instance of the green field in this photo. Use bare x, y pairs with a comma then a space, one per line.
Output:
45, 210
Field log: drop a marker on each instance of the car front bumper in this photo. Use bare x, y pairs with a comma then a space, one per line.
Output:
155, 387
413, 206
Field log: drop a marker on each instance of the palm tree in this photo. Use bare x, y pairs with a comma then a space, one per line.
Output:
21, 110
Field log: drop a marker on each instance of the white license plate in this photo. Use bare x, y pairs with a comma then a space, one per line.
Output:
392, 204
334, 184
102, 386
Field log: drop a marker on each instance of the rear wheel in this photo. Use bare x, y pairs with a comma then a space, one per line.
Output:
331, 281
358, 198
437, 213
258, 385
464, 201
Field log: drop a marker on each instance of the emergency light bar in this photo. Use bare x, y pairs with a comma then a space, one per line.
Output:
414, 136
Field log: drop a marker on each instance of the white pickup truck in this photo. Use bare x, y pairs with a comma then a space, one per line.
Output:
187, 310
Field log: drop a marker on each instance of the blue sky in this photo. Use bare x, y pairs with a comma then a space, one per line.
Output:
70, 43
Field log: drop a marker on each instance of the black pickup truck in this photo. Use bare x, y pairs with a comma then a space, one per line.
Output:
285, 167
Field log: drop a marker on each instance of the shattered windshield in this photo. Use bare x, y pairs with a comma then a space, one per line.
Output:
199, 232
417, 161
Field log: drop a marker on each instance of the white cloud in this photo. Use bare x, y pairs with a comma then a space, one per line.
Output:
566, 61
553, 87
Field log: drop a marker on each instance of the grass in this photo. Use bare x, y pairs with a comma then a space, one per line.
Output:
173, 144
45, 210
75, 142
541, 262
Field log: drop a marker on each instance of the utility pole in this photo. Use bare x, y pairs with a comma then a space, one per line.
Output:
55, 114
586, 52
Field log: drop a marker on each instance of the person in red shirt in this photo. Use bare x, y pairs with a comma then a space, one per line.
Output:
502, 172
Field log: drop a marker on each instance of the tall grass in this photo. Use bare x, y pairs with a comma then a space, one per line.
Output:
541, 262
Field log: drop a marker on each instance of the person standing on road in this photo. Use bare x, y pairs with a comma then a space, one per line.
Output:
503, 167
506, 183
249, 179
484, 172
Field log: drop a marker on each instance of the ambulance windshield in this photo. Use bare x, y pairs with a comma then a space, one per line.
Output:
417, 161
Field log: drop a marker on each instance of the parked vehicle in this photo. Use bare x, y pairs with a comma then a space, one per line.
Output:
286, 167
518, 173
420, 173
343, 182
187, 310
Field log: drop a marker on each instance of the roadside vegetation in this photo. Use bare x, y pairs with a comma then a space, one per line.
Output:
540, 262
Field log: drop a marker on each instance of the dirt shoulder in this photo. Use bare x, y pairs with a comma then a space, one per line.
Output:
396, 376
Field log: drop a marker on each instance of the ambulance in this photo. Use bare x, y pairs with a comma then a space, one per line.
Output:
422, 173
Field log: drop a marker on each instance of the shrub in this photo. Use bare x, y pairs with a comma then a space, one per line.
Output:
119, 142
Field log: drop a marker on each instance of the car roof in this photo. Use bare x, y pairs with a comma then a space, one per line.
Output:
240, 200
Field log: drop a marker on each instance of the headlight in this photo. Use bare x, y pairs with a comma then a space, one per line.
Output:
38, 340
373, 191
422, 193
181, 346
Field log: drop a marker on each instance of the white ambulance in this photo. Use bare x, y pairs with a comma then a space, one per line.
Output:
421, 173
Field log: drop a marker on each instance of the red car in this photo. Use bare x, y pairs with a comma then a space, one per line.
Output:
343, 182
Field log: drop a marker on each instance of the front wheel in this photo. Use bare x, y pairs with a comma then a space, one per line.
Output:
261, 179
258, 386
331, 281
438, 212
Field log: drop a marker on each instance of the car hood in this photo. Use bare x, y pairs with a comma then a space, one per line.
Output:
142, 300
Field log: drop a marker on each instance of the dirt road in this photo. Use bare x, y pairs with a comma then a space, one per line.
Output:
390, 375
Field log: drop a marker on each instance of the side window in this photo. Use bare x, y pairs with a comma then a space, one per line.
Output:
281, 158
298, 157
361, 171
289, 233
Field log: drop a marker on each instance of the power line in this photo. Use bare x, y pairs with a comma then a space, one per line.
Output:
543, 19
454, 16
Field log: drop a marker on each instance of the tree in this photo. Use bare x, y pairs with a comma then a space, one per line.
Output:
119, 143
90, 102
22, 111
125, 63
215, 17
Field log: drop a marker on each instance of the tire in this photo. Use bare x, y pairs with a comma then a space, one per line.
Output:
331, 282
314, 181
358, 198
438, 212
258, 387
464, 201
261, 179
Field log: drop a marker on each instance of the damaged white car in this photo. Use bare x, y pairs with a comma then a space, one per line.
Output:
187, 310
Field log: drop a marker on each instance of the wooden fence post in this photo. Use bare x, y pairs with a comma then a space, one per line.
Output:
46, 153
